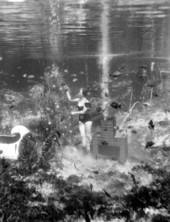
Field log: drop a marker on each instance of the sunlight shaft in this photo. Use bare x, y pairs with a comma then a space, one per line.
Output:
104, 56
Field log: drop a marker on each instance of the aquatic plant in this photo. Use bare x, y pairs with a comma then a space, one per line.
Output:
52, 150
53, 107
53, 94
28, 151
40, 194
68, 202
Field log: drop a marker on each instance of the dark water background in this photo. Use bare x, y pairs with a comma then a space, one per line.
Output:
75, 33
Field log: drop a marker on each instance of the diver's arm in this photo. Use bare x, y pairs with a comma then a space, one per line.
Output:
69, 97
79, 112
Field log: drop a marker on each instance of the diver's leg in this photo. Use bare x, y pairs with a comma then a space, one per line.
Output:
88, 131
82, 133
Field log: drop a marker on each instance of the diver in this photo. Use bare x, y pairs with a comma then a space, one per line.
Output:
85, 120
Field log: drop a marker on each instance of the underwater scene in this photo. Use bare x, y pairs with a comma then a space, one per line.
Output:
85, 110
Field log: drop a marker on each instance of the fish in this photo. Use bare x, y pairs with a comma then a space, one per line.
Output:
75, 80
24, 75
31, 77
149, 144
31, 81
107, 194
115, 74
12, 106
74, 75
116, 105
151, 125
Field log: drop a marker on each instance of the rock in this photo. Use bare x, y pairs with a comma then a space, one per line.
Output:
166, 148
134, 131
36, 91
95, 171
73, 179
163, 123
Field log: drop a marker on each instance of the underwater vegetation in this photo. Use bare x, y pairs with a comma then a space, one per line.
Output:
33, 188
29, 194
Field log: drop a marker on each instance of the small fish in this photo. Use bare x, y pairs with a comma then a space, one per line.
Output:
91, 187
151, 84
74, 75
31, 77
146, 104
24, 75
115, 74
31, 81
12, 107
107, 194
106, 82
104, 142
115, 105
155, 94
75, 80
151, 125
66, 70
134, 131
62, 118
149, 144
98, 109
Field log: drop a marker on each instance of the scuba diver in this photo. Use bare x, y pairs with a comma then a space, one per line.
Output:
85, 120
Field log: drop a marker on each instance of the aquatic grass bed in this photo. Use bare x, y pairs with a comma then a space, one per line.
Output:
44, 196
26, 197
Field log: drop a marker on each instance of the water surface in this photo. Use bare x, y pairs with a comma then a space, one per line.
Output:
85, 37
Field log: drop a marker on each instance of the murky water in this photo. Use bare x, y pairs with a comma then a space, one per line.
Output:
89, 39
